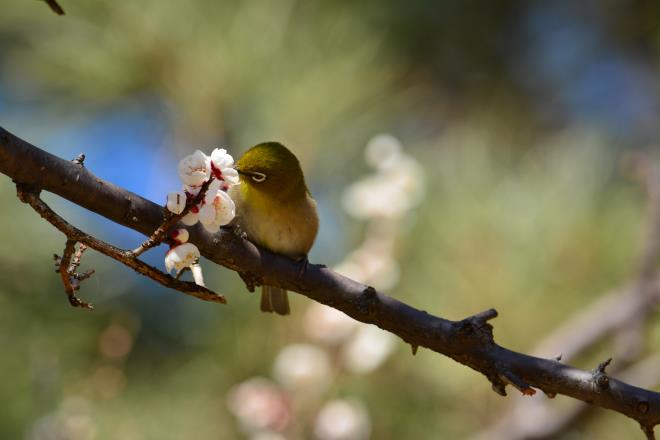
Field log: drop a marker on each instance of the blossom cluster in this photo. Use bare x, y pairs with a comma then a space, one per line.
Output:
215, 209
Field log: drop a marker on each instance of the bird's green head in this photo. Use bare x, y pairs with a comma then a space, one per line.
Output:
271, 168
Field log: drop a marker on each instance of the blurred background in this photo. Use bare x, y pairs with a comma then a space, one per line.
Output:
464, 154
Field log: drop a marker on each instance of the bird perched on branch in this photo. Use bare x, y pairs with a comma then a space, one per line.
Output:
275, 209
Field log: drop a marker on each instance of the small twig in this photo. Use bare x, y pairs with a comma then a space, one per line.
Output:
509, 377
648, 431
66, 269
55, 7
77, 257
170, 220
600, 369
600, 377
30, 196
478, 324
79, 159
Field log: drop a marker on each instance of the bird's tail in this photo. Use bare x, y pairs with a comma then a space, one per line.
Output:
274, 299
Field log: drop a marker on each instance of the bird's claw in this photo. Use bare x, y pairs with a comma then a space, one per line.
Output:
251, 281
238, 231
304, 264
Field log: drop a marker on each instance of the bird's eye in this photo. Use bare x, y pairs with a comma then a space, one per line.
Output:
258, 177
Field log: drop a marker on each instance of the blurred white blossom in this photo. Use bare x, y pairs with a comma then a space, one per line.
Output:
343, 419
181, 256
370, 266
260, 405
195, 169
369, 348
395, 188
383, 151
385, 199
71, 421
302, 368
327, 325
267, 435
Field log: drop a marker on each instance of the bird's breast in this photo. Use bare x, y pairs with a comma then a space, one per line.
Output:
284, 227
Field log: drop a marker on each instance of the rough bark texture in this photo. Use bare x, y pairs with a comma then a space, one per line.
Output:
469, 341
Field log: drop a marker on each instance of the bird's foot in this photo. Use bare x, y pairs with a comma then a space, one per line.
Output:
238, 231
303, 262
251, 281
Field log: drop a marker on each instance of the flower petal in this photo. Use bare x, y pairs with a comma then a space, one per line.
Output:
192, 190
207, 214
211, 227
213, 188
225, 209
180, 235
181, 256
176, 202
221, 159
230, 176
190, 219
195, 169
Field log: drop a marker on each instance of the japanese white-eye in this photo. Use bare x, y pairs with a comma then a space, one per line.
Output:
275, 209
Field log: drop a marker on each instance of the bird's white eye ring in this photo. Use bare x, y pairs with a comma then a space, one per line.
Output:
258, 177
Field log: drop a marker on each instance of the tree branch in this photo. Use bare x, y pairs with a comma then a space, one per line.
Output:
469, 341
67, 266
621, 313
28, 195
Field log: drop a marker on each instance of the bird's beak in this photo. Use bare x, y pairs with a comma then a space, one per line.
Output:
239, 170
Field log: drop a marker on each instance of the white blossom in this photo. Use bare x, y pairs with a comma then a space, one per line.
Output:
176, 202
342, 419
192, 217
195, 169
180, 235
222, 164
218, 208
181, 256
192, 190
197, 274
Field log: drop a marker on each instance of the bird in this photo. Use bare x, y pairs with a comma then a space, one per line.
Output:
275, 210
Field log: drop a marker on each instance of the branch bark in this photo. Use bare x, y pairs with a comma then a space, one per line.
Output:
469, 341
27, 195
621, 314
